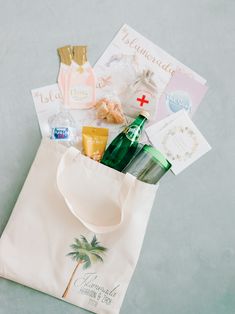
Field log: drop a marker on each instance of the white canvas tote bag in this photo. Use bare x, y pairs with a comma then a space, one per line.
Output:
76, 230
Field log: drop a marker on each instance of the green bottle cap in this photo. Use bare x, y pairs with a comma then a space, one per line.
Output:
164, 163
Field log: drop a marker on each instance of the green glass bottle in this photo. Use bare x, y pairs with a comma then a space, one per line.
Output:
123, 147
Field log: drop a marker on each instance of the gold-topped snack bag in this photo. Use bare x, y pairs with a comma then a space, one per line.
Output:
94, 141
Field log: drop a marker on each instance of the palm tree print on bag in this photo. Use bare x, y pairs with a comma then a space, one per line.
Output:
85, 253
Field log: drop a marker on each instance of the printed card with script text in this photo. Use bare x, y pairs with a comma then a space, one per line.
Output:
48, 101
138, 70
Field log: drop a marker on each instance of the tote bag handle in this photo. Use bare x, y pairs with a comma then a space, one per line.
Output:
73, 159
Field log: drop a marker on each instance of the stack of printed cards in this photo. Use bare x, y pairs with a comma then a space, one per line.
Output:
133, 65
179, 140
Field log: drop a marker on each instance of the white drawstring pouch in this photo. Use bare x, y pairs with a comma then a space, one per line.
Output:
143, 87
76, 230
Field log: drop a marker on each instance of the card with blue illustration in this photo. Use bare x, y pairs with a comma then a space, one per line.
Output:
182, 92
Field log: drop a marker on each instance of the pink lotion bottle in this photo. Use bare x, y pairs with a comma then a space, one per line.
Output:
65, 54
81, 87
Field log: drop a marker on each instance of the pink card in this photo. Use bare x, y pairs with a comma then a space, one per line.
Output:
182, 92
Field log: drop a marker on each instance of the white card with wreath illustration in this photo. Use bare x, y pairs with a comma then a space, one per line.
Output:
179, 140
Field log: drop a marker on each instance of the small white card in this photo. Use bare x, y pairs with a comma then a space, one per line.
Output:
179, 140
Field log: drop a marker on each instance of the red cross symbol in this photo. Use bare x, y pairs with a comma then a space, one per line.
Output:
142, 100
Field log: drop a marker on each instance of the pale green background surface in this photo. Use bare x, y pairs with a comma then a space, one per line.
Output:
187, 264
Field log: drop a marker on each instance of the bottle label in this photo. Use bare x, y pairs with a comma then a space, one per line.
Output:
81, 94
61, 134
132, 132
